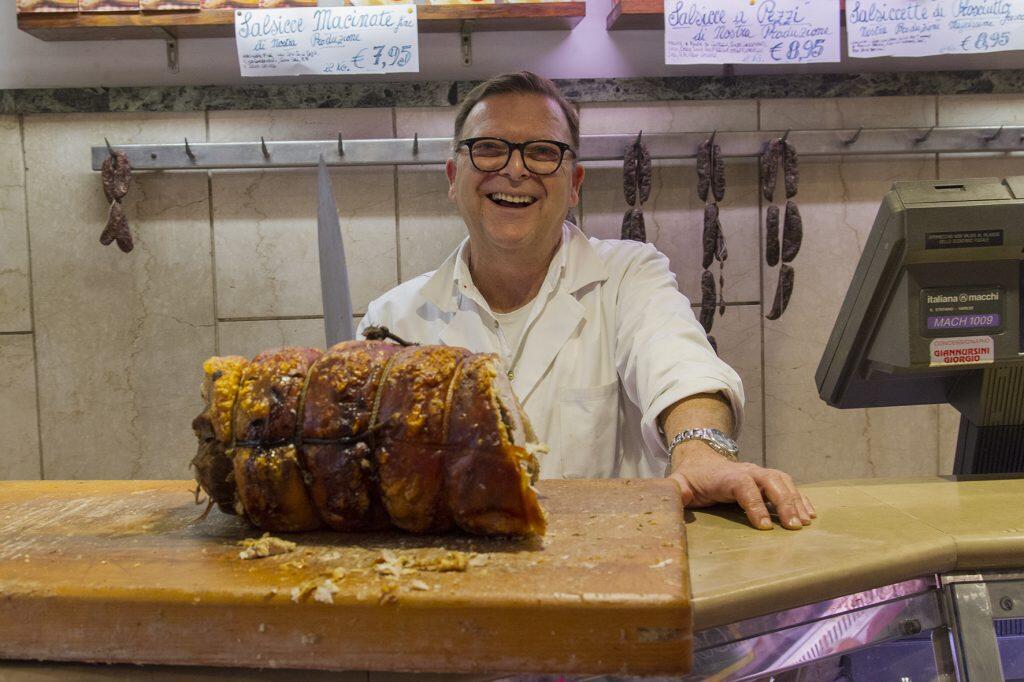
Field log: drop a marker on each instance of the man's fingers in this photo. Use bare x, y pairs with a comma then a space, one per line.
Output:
809, 506
685, 490
788, 502
748, 495
804, 510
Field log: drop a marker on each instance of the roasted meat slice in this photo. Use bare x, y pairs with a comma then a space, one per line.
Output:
425, 438
213, 429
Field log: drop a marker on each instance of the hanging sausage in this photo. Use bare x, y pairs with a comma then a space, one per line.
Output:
116, 175
780, 151
636, 185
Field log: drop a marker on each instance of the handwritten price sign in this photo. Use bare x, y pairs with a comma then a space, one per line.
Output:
915, 28
759, 32
327, 40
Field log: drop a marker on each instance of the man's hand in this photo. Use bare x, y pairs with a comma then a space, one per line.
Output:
706, 478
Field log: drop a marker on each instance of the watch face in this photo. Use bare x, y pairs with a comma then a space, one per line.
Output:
724, 442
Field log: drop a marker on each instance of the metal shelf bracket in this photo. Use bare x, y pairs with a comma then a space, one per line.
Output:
466, 42
172, 49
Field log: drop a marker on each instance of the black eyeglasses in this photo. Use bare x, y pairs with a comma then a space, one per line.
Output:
491, 154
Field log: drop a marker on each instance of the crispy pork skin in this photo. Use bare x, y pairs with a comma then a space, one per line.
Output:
367, 435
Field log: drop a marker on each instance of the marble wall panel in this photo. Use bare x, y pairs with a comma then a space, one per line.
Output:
118, 336
19, 428
847, 112
838, 200
265, 222
427, 121
15, 315
952, 166
300, 124
738, 334
250, 337
265, 237
429, 226
981, 110
667, 117
949, 428
674, 218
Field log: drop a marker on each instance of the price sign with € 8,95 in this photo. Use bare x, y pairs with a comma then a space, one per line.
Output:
751, 31
327, 40
915, 28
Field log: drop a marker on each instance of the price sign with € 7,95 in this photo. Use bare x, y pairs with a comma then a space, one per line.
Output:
327, 40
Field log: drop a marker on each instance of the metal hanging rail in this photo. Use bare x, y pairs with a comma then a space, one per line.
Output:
432, 150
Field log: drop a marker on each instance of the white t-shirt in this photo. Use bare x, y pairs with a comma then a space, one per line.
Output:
512, 325
609, 344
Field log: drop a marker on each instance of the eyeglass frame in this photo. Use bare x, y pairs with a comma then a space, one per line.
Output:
512, 146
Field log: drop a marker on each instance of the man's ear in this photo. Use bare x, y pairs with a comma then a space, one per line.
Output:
577, 182
449, 170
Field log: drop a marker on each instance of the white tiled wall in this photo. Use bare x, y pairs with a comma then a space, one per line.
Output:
108, 345
112, 330
15, 314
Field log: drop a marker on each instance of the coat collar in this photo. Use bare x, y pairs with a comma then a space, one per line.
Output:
576, 264
554, 319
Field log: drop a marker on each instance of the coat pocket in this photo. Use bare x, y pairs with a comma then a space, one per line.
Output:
588, 423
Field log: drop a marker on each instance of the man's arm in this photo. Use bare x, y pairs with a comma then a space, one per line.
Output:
706, 477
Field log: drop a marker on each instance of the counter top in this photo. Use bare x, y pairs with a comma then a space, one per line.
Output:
610, 564
868, 533
125, 573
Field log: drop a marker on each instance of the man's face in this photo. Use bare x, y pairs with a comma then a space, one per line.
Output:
482, 197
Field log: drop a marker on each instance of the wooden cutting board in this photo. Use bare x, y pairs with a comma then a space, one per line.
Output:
120, 571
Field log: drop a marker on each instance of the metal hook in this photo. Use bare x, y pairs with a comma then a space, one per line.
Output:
853, 140
110, 150
263, 145
188, 152
415, 144
992, 138
711, 141
924, 138
638, 136
341, 146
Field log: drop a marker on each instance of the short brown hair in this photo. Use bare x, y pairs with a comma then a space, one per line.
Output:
520, 82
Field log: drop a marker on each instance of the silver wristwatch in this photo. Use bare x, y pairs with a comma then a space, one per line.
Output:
718, 441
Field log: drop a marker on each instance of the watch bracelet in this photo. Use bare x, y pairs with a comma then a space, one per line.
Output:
678, 440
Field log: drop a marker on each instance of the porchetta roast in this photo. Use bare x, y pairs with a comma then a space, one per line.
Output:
365, 436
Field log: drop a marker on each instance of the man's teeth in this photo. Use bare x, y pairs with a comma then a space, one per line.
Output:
512, 198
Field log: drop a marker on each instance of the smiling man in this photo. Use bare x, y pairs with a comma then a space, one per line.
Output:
602, 349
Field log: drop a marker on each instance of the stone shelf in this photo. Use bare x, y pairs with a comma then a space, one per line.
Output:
220, 23
645, 14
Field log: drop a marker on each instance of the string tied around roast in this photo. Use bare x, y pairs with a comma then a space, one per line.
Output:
382, 333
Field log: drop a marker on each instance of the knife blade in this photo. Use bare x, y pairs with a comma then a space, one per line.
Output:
334, 285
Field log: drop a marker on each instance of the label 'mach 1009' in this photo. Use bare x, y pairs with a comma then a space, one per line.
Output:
952, 310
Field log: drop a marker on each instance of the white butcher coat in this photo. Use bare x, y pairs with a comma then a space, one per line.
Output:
609, 344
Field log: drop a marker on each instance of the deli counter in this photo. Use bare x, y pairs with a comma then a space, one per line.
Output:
895, 579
